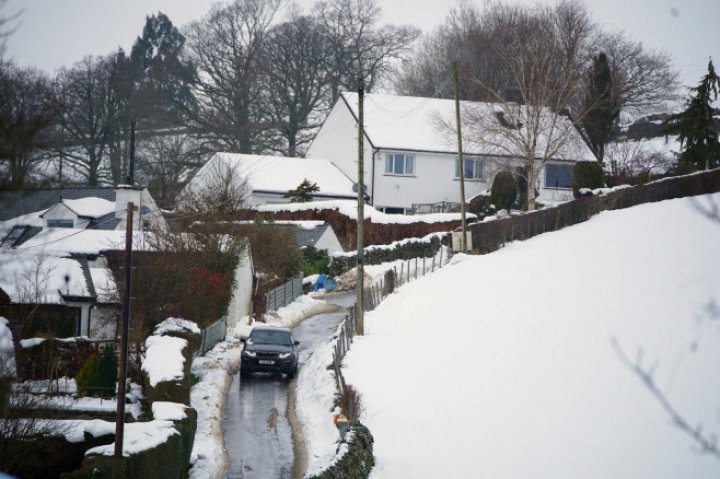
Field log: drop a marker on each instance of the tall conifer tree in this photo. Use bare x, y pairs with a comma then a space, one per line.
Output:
601, 107
695, 126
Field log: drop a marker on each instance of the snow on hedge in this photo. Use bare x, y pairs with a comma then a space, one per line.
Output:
349, 209
164, 359
138, 437
168, 411
177, 325
7, 350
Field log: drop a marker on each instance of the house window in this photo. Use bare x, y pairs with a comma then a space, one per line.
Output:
60, 223
473, 169
399, 164
558, 176
14, 236
391, 210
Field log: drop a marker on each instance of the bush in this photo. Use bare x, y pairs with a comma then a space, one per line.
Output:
587, 174
314, 260
88, 375
98, 376
504, 190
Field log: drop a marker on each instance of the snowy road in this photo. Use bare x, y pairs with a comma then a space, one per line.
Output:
258, 435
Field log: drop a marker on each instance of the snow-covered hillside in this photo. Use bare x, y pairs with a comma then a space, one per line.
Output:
504, 365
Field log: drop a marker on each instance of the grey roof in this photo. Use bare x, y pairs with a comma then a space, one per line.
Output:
18, 203
309, 237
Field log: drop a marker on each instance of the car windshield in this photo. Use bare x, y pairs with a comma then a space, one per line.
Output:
281, 338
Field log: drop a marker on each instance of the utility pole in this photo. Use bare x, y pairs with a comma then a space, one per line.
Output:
122, 370
360, 320
131, 167
461, 161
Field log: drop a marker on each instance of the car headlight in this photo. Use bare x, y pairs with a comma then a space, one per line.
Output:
251, 354
284, 355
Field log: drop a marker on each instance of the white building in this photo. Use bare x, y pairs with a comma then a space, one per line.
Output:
265, 179
410, 154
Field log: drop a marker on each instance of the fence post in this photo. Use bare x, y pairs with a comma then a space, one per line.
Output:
416, 265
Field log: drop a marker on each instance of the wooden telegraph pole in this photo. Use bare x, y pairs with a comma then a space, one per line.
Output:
360, 320
122, 370
461, 162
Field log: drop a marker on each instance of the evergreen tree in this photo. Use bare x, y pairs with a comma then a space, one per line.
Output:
602, 110
696, 129
303, 193
163, 93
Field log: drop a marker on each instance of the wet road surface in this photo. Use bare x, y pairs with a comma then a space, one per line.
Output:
258, 436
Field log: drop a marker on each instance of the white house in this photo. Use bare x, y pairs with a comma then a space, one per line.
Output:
265, 179
410, 155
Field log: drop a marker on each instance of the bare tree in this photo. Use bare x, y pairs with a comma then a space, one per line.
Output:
217, 191
166, 160
643, 80
538, 51
225, 46
295, 80
637, 160
706, 442
91, 114
359, 47
8, 24
26, 111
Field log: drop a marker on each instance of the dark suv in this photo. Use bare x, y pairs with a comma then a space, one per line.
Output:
269, 350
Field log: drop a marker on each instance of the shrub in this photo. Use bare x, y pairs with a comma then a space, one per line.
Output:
504, 190
98, 376
314, 260
87, 377
587, 174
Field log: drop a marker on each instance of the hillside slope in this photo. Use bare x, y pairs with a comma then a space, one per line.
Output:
503, 365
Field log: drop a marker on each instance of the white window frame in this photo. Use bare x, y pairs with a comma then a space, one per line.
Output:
407, 159
476, 162
60, 223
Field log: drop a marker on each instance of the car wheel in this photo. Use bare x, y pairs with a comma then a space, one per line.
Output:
292, 373
245, 372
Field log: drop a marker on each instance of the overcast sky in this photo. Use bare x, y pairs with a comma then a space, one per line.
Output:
55, 33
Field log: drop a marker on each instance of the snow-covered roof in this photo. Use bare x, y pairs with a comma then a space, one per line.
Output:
277, 174
77, 241
32, 278
29, 219
414, 123
91, 207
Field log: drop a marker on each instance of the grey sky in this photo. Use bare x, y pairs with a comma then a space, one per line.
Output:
55, 33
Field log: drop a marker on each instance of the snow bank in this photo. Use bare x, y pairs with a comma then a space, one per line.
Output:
214, 371
7, 350
315, 402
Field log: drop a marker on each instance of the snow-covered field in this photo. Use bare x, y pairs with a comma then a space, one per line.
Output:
505, 365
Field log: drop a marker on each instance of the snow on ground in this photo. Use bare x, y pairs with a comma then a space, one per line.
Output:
349, 209
503, 365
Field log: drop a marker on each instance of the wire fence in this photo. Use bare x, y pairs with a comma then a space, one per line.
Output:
284, 294
409, 270
212, 335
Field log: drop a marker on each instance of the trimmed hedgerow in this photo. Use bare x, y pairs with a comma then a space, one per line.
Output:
414, 248
587, 174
